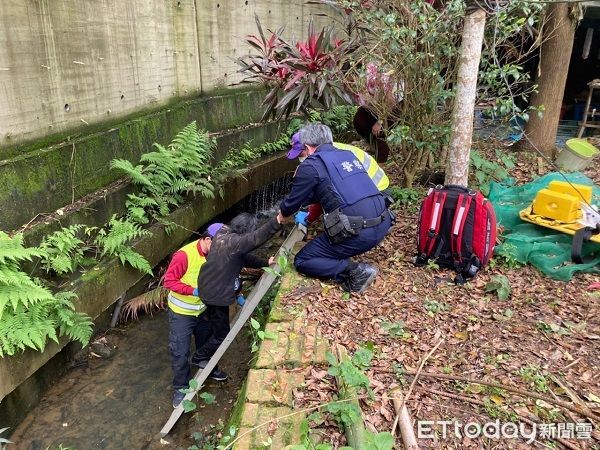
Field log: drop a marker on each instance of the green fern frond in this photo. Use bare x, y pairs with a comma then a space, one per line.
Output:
14, 296
77, 326
171, 228
180, 185
11, 276
135, 260
120, 232
28, 328
134, 172
12, 249
138, 215
63, 250
143, 202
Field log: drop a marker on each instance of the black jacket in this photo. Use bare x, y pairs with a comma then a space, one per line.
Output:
229, 252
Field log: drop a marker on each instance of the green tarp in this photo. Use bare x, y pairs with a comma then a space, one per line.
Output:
546, 249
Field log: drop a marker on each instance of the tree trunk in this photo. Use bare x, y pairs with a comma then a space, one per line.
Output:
457, 170
555, 55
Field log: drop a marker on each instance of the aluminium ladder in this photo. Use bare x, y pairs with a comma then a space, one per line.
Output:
254, 298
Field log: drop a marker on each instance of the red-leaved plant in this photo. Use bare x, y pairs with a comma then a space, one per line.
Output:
301, 75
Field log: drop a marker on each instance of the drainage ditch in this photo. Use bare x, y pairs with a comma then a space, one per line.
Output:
119, 395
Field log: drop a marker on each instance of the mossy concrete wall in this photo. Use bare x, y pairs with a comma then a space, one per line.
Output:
99, 287
68, 65
41, 181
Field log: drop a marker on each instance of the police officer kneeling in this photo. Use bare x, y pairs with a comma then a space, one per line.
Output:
356, 217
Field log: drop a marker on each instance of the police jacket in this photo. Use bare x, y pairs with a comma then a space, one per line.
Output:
375, 172
229, 252
335, 179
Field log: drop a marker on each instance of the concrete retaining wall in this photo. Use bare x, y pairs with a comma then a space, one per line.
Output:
69, 65
44, 180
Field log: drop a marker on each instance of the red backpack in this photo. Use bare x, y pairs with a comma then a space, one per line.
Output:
457, 229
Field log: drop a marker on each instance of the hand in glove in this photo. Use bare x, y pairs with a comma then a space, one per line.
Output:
241, 300
301, 217
195, 293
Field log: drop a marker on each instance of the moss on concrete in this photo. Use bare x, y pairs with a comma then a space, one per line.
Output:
268, 396
51, 178
175, 104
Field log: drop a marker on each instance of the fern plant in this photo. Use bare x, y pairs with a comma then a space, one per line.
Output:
17, 289
167, 174
63, 250
29, 313
113, 242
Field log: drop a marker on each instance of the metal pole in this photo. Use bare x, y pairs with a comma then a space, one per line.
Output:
117, 311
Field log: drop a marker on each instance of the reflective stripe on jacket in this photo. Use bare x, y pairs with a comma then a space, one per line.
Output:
375, 172
189, 305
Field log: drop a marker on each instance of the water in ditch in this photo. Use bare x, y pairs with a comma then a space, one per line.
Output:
121, 399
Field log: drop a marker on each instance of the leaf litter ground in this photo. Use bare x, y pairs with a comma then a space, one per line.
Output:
544, 339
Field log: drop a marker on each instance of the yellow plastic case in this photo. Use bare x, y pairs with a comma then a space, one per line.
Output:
580, 191
559, 207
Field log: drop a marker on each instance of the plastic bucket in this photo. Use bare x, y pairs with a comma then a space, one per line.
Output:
576, 155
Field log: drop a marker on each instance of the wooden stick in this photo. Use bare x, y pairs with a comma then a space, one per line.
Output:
515, 390
412, 385
571, 364
407, 431
571, 393
418, 372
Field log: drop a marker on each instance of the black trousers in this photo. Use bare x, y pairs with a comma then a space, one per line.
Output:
209, 330
216, 319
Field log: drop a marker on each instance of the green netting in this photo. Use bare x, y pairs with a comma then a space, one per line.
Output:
546, 249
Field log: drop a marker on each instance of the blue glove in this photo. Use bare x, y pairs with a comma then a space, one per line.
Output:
301, 217
195, 293
241, 300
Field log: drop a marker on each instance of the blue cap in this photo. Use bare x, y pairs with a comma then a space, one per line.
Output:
214, 229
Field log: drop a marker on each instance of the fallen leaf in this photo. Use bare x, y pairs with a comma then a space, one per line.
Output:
498, 400
462, 335
474, 388
593, 398
272, 428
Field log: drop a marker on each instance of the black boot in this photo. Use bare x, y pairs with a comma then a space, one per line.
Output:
359, 278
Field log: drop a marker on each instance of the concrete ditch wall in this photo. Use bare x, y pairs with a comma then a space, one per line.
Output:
21, 381
82, 83
68, 65
49, 178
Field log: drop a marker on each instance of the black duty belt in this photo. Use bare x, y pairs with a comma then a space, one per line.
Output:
358, 222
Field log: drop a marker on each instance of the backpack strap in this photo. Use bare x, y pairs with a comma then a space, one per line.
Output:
433, 232
582, 235
468, 271
458, 224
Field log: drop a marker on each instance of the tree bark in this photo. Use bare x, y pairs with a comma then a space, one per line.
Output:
555, 55
457, 169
